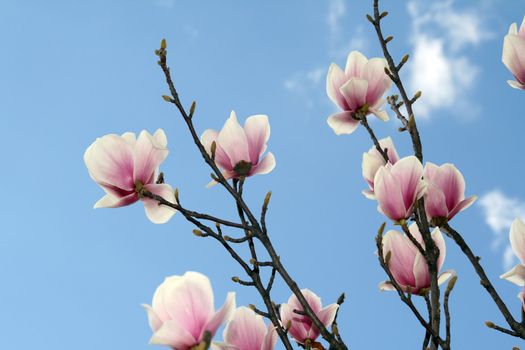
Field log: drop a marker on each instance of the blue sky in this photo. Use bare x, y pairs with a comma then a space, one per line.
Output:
74, 277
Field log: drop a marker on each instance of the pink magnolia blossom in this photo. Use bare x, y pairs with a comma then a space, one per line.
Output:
373, 160
517, 241
301, 327
445, 194
398, 186
247, 331
239, 150
514, 54
182, 311
408, 266
123, 165
359, 88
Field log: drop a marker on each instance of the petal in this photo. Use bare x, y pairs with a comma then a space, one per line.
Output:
342, 123
233, 141
130, 138
379, 113
246, 330
408, 172
257, 129
297, 330
369, 194
440, 244
388, 193
110, 161
270, 339
435, 202
513, 56
464, 204
513, 29
159, 214
189, 301
154, 321
148, 155
421, 273
160, 138
516, 84
221, 158
402, 256
312, 299
327, 315
109, 201
517, 239
354, 92
173, 335
369, 165
265, 166
378, 81
221, 316
334, 80
355, 64
516, 275
386, 286
445, 276
158, 298
449, 180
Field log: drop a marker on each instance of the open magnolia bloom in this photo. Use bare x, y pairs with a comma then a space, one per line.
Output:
302, 328
357, 89
373, 160
445, 194
247, 331
398, 186
182, 311
517, 241
514, 54
239, 150
124, 165
407, 264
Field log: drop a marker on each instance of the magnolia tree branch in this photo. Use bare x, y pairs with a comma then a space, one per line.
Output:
517, 327
253, 229
431, 254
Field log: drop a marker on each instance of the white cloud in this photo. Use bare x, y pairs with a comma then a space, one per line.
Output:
442, 69
500, 211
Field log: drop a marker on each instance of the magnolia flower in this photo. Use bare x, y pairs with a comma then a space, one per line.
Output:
124, 165
407, 264
359, 89
398, 186
373, 160
517, 241
182, 311
445, 194
247, 331
514, 54
301, 326
239, 150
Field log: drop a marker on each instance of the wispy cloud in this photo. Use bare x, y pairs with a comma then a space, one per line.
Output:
442, 68
305, 84
500, 210
309, 83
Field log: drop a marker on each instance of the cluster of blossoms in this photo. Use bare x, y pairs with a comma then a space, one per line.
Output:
396, 183
182, 314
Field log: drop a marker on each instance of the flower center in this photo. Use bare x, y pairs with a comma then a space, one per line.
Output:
242, 168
